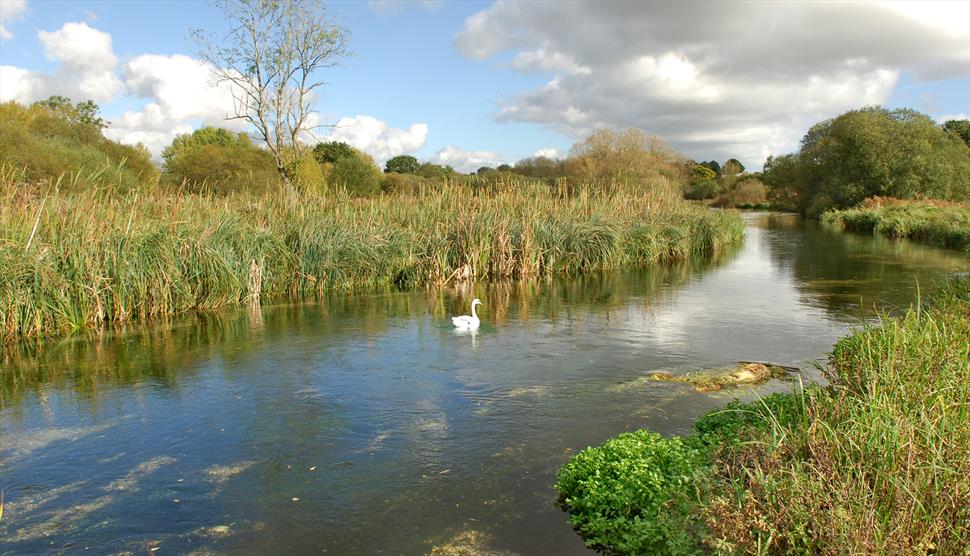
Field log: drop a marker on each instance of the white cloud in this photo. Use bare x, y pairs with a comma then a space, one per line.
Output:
86, 68
182, 94
10, 11
548, 153
465, 161
743, 80
543, 60
377, 138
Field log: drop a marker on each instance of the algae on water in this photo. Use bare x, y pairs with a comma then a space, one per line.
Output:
713, 380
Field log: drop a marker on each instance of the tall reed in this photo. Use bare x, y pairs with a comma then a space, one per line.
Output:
69, 261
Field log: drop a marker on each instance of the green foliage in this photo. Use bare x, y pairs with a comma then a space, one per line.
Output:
201, 137
218, 161
713, 166
703, 183
435, 171
504, 168
403, 164
307, 174
632, 494
868, 152
540, 167
403, 183
640, 493
332, 152
85, 113
357, 174
746, 192
732, 167
628, 158
98, 258
959, 127
55, 141
946, 226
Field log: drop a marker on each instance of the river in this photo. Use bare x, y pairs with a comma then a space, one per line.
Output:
364, 424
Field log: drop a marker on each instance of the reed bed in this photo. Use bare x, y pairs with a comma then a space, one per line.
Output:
946, 224
79, 260
880, 464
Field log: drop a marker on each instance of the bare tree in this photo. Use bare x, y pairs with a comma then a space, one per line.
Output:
270, 56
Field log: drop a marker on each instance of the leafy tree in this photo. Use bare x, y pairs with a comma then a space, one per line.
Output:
540, 167
484, 170
332, 152
702, 184
629, 157
713, 166
357, 174
959, 127
872, 151
271, 57
82, 113
504, 168
218, 161
732, 167
433, 171
403, 164
55, 138
204, 136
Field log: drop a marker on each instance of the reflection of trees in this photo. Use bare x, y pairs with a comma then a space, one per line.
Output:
168, 350
838, 270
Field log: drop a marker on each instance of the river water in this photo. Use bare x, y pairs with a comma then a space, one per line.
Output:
364, 424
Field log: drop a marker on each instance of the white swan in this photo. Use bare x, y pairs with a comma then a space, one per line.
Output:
466, 322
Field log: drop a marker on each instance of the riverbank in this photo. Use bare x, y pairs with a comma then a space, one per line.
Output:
877, 463
946, 224
73, 261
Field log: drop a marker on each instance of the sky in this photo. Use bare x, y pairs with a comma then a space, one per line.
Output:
475, 84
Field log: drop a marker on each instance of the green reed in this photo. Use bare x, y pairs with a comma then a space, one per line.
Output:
77, 260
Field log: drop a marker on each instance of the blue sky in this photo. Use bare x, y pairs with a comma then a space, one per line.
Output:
496, 82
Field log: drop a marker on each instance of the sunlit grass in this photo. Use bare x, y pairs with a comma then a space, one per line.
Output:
944, 224
73, 261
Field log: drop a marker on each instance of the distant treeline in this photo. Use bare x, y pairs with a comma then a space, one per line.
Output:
872, 152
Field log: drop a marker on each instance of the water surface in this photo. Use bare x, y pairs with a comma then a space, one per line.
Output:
363, 424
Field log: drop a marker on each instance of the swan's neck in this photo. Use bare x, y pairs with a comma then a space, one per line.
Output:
474, 314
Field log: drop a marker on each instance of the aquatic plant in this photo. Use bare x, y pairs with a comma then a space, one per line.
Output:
876, 463
77, 260
943, 224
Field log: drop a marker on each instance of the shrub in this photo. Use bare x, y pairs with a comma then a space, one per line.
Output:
747, 193
55, 139
640, 493
218, 161
631, 495
308, 175
357, 174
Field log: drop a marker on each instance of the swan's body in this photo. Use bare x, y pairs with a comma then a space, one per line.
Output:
466, 322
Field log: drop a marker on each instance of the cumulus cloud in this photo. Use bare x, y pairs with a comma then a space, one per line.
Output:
465, 161
86, 67
10, 11
182, 95
733, 80
377, 138
548, 153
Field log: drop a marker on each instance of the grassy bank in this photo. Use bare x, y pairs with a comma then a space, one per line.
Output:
70, 261
878, 463
943, 224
